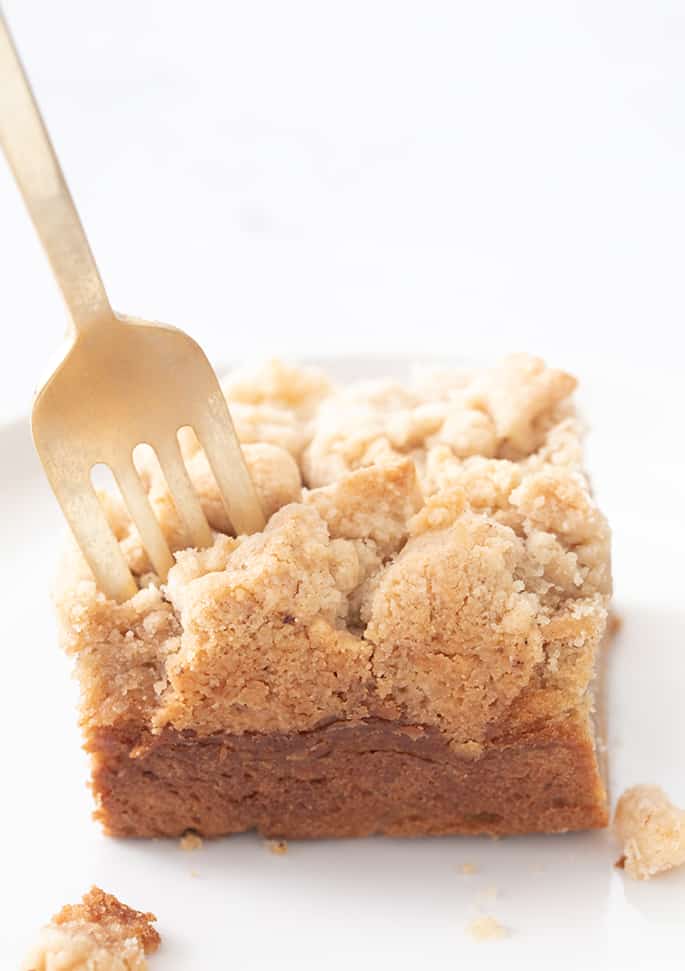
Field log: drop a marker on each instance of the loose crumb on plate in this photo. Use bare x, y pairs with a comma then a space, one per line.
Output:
99, 934
468, 869
278, 847
652, 831
486, 929
190, 841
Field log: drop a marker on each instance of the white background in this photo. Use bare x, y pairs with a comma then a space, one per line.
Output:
319, 178
289, 176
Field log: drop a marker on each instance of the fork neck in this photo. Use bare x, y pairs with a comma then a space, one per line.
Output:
84, 294
73, 264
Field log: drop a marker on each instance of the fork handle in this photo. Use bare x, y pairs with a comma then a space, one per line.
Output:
38, 174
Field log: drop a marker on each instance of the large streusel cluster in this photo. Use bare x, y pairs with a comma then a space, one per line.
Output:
99, 934
433, 554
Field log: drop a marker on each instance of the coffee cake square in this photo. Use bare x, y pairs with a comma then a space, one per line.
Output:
410, 647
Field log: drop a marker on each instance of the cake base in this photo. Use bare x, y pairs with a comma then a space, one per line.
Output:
347, 779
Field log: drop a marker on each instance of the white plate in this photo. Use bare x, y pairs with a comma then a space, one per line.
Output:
371, 903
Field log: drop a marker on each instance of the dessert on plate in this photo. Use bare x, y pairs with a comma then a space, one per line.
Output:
411, 645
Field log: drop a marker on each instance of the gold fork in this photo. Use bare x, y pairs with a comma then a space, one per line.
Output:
120, 382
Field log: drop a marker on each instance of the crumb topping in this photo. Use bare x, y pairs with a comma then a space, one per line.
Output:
190, 841
264, 644
503, 412
275, 403
373, 504
455, 631
651, 830
99, 934
277, 847
445, 564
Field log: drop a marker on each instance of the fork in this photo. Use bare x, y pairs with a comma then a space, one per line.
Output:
120, 382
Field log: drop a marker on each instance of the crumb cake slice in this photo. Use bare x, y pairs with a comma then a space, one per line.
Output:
411, 645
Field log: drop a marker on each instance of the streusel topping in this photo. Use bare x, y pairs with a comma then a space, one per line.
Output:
433, 553
99, 934
651, 830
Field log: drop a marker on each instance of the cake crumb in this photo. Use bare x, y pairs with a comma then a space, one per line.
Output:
194, 873
277, 847
487, 929
468, 869
614, 624
190, 841
99, 934
651, 830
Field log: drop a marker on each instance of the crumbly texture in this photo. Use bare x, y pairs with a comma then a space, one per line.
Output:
651, 830
99, 934
277, 847
190, 841
433, 558
486, 929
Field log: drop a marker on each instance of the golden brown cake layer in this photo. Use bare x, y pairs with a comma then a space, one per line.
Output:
347, 779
